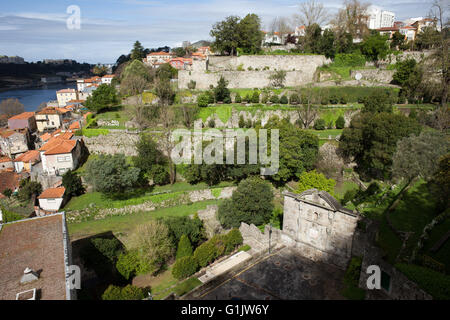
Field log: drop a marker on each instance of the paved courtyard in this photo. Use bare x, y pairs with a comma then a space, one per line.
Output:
285, 275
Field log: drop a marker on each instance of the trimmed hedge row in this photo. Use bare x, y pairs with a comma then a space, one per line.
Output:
207, 252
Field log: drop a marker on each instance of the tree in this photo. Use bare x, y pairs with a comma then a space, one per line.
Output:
148, 154
251, 202
166, 72
340, 122
397, 40
152, 242
133, 85
277, 78
298, 150
441, 179
7, 193
221, 92
315, 180
73, 184
306, 111
179, 226
28, 188
203, 100
10, 107
352, 19
184, 267
371, 140
138, 51
418, 156
319, 124
375, 47
128, 292
378, 101
226, 35
100, 70
251, 37
327, 45
409, 75
281, 26
311, 12
111, 174
184, 248
103, 97
165, 92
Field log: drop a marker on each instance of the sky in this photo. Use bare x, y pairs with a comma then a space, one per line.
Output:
37, 30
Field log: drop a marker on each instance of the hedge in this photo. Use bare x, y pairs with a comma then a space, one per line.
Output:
129, 292
435, 283
184, 267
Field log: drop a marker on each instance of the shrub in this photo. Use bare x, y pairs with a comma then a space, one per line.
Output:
205, 253
264, 98
211, 123
232, 240
110, 248
203, 100
255, 97
129, 292
324, 101
245, 247
184, 267
128, 264
184, 247
249, 123
343, 99
294, 99
274, 99
192, 84
340, 122
284, 99
160, 175
227, 100
7, 193
319, 124
248, 98
334, 99
349, 60
330, 125
241, 121
238, 98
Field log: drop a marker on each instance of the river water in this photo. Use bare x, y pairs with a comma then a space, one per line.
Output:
31, 98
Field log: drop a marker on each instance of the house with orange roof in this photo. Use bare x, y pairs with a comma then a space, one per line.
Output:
14, 142
409, 32
180, 63
65, 95
60, 154
107, 79
158, 58
26, 161
51, 200
75, 126
205, 50
51, 118
22, 121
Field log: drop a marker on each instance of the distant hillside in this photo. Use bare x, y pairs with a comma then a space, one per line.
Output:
201, 43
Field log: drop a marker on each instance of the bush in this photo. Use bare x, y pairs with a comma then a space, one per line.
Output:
192, 84
160, 175
324, 101
255, 97
211, 123
343, 100
264, 98
110, 248
248, 98
184, 247
205, 253
128, 264
340, 122
319, 124
232, 240
334, 99
274, 99
330, 125
238, 98
284, 99
203, 100
351, 280
294, 99
129, 292
349, 60
241, 121
7, 193
435, 283
184, 267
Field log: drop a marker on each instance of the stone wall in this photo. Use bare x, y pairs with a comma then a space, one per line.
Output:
377, 75
258, 240
300, 70
113, 143
317, 225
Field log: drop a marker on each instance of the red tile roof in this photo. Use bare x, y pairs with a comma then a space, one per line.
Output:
51, 110
5, 159
22, 116
60, 147
52, 193
66, 91
32, 155
37, 244
75, 126
160, 53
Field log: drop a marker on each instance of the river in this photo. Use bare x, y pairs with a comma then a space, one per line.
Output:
31, 98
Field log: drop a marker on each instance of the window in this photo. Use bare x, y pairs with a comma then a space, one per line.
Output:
63, 159
51, 200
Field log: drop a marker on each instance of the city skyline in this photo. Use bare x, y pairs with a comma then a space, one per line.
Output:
109, 28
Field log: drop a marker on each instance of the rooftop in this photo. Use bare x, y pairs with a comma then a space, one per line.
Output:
22, 116
38, 244
32, 155
52, 193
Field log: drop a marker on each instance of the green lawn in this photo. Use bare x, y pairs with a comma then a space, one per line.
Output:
121, 114
138, 196
126, 223
341, 188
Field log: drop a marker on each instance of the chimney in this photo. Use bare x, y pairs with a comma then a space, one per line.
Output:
28, 276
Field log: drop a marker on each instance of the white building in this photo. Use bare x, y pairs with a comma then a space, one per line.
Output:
51, 199
379, 18
107, 79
